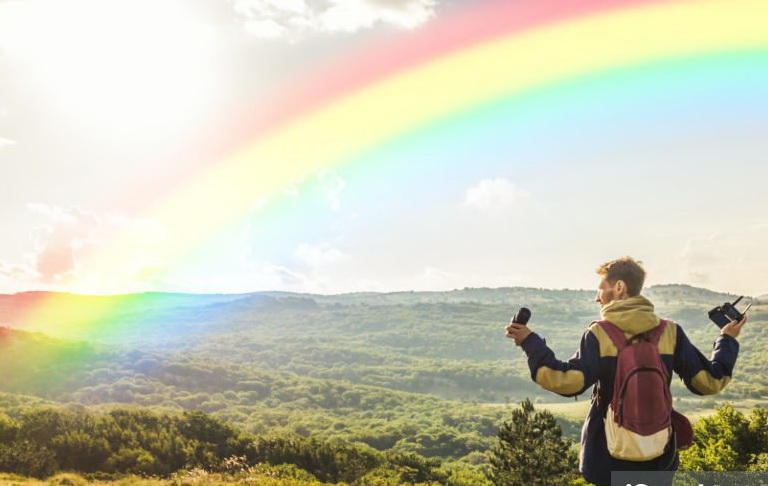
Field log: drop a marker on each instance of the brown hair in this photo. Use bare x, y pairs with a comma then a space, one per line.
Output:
626, 269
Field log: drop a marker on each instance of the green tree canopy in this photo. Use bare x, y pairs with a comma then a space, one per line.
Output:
531, 451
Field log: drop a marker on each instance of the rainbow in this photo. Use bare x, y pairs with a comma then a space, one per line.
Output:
486, 63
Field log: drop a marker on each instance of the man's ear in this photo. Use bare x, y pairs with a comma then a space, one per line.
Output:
621, 288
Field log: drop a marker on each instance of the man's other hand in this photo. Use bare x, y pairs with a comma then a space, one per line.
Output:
518, 332
733, 328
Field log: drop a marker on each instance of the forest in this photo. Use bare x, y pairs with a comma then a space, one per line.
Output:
381, 379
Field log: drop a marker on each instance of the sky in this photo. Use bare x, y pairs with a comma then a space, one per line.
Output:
132, 157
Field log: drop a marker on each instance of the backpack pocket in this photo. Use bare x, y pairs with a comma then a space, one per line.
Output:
631, 446
683, 430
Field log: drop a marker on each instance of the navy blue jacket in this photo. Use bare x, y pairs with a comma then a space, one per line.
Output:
595, 364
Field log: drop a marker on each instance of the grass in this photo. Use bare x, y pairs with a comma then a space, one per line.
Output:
693, 408
286, 475
71, 479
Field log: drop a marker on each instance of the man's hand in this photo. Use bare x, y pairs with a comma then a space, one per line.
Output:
518, 332
733, 328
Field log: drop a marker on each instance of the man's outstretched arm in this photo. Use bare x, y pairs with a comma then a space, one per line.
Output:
704, 376
567, 378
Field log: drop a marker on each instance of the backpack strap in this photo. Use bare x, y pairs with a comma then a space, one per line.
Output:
621, 341
654, 334
616, 334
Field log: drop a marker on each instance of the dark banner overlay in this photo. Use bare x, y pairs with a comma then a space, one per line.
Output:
689, 478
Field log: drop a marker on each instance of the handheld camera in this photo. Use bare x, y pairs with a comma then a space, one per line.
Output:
522, 316
723, 314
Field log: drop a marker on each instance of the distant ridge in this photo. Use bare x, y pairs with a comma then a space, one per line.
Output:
129, 316
450, 295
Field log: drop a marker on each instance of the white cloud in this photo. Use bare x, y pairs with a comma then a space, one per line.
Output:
325, 184
262, 8
492, 194
725, 261
332, 185
353, 15
5, 142
435, 279
265, 29
18, 272
317, 256
310, 268
703, 251
295, 18
145, 232
266, 275
64, 240
57, 242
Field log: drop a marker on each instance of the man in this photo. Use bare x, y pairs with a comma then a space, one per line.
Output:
595, 362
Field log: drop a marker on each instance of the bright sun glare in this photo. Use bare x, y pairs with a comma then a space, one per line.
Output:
119, 70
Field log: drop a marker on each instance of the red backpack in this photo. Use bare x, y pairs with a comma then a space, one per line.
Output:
638, 424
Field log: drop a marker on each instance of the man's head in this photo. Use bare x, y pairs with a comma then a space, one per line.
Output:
619, 279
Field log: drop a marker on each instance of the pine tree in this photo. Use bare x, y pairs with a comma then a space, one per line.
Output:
531, 451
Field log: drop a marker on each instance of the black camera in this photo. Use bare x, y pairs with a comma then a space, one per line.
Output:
723, 314
522, 316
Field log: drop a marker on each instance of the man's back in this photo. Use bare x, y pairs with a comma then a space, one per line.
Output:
595, 363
